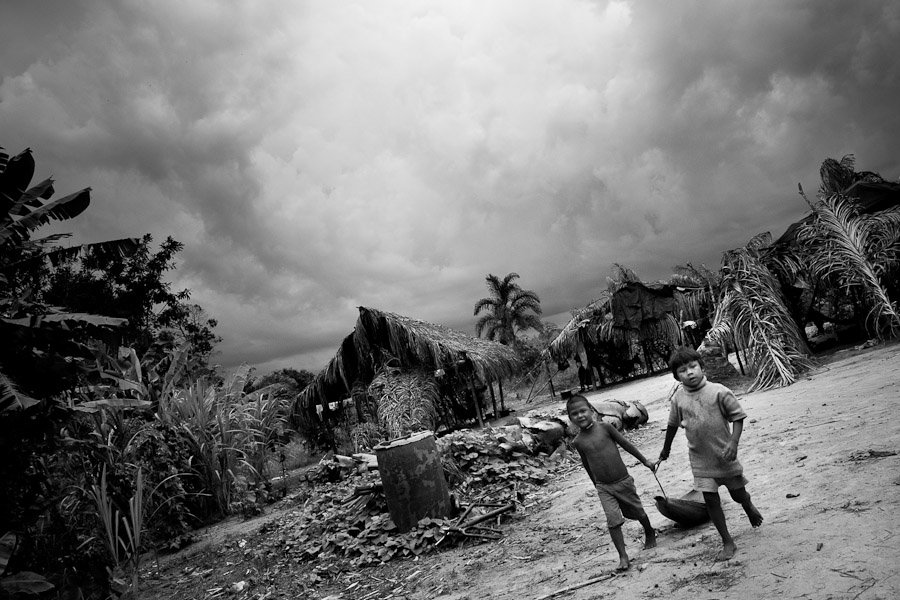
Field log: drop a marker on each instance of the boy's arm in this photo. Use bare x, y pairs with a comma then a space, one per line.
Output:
671, 430
731, 448
630, 448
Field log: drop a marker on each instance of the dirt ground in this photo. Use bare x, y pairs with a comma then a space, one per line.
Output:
823, 464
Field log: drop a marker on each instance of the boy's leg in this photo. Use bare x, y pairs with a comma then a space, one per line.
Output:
742, 497
618, 539
614, 520
714, 508
649, 532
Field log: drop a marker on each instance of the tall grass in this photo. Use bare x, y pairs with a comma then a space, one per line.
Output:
201, 414
122, 532
229, 433
262, 418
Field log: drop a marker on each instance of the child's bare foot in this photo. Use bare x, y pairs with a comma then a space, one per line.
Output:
754, 515
727, 552
623, 564
649, 540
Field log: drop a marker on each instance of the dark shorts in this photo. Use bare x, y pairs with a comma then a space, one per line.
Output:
620, 501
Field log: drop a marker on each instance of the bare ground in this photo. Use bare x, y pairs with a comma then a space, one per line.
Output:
821, 457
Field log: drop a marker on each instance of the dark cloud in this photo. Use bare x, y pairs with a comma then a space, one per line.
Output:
339, 155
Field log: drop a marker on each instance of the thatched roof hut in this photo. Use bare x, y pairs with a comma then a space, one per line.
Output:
380, 337
628, 332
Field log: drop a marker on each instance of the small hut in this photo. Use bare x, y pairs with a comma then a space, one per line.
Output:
394, 375
630, 331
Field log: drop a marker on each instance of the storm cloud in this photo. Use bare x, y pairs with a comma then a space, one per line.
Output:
315, 157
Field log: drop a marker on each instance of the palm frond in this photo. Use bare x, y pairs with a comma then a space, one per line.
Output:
567, 342
485, 326
406, 401
521, 300
836, 176
839, 241
484, 303
884, 241
752, 308
760, 241
510, 277
693, 303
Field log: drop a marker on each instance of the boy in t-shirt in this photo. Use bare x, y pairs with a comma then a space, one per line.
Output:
713, 422
597, 444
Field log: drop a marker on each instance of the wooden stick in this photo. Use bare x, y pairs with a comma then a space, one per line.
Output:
572, 588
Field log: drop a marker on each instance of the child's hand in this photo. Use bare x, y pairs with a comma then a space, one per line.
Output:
730, 452
650, 465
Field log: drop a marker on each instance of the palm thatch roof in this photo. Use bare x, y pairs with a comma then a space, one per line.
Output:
566, 342
649, 310
381, 336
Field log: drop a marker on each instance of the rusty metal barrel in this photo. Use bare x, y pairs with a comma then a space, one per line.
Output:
413, 478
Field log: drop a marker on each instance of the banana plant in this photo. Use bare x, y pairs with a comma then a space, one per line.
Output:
38, 338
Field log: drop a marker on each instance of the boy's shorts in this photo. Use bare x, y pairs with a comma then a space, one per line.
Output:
711, 484
620, 501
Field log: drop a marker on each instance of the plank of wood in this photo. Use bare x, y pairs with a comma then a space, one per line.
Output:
577, 586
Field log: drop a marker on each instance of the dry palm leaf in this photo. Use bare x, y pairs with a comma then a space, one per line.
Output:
405, 400
853, 249
753, 310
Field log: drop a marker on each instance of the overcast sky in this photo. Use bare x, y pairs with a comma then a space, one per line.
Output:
318, 156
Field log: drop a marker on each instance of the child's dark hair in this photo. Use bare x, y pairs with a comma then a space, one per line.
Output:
575, 399
682, 356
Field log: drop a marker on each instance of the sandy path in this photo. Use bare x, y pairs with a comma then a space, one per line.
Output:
838, 538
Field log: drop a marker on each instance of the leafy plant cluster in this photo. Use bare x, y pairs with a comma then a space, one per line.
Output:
118, 481
118, 434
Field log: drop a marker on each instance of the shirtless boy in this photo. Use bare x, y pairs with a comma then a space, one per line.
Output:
598, 446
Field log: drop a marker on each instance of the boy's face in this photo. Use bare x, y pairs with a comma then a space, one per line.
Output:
690, 374
582, 415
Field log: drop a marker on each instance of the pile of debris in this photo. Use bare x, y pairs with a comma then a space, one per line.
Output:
341, 522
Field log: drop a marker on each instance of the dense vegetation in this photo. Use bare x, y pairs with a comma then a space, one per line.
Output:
119, 435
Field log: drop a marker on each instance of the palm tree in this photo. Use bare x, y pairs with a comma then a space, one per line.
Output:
507, 311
